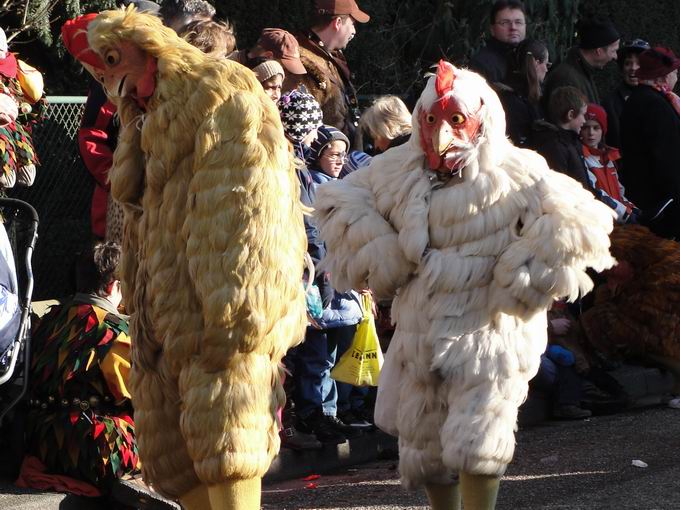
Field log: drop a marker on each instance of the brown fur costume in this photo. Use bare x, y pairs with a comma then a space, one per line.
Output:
213, 253
638, 313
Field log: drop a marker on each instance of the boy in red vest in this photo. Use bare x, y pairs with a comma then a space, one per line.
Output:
601, 161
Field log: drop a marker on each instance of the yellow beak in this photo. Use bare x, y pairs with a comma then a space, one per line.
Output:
442, 138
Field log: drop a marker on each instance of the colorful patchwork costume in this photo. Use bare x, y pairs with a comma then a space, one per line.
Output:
80, 420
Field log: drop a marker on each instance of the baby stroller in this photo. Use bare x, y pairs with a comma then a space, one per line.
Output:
18, 234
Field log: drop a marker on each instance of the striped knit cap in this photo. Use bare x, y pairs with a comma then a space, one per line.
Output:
325, 135
300, 114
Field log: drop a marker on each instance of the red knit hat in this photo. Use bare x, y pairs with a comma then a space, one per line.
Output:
598, 114
657, 62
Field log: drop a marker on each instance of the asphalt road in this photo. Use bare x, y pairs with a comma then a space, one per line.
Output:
561, 465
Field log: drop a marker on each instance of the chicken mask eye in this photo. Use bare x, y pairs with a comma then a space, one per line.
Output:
457, 119
430, 118
112, 57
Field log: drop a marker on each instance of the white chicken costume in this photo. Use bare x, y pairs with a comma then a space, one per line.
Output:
475, 238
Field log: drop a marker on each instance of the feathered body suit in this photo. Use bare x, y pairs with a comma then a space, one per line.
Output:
213, 253
473, 261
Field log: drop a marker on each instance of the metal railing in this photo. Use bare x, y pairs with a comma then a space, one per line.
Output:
61, 194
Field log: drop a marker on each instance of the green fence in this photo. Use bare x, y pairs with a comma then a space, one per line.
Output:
61, 194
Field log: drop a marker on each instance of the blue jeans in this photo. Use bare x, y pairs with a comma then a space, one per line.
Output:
314, 389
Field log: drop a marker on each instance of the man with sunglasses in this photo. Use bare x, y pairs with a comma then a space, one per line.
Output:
507, 28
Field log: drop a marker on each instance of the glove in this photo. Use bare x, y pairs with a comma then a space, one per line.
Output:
560, 355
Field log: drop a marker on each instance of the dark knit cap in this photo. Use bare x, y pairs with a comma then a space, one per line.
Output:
300, 114
325, 135
597, 33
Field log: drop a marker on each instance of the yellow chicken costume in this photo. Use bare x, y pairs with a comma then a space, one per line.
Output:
213, 255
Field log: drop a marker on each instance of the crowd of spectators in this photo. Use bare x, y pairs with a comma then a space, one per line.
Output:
628, 138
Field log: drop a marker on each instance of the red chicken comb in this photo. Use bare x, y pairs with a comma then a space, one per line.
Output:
444, 78
74, 34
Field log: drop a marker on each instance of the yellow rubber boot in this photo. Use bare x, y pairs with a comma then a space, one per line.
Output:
479, 491
443, 497
196, 499
236, 495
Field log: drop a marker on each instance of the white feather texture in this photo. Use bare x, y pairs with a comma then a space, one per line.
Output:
474, 265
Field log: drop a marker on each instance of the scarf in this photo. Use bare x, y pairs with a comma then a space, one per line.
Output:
670, 95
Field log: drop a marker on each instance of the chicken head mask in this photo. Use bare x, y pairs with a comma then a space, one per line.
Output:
449, 127
123, 68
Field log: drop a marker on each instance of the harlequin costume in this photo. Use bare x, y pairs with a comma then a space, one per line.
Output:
23, 84
80, 419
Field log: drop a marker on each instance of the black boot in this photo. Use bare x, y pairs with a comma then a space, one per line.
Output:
321, 427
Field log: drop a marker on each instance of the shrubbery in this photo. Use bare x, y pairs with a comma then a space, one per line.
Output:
391, 53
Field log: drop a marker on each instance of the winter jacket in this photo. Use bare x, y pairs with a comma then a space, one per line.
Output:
340, 308
573, 71
613, 105
520, 115
561, 148
650, 144
491, 61
329, 80
604, 179
97, 139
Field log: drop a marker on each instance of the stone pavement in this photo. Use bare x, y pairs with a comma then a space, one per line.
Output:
646, 386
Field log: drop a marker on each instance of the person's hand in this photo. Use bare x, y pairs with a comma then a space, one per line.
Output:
374, 307
560, 326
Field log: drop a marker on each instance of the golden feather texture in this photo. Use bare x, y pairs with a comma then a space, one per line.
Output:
213, 253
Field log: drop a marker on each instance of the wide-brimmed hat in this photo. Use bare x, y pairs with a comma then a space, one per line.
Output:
657, 62
284, 48
340, 7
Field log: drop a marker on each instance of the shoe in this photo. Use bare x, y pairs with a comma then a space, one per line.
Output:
354, 420
571, 412
319, 426
674, 403
134, 493
296, 440
337, 424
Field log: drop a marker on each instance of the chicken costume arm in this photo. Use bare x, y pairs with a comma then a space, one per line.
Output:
354, 232
564, 231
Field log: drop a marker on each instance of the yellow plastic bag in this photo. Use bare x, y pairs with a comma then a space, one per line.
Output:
360, 365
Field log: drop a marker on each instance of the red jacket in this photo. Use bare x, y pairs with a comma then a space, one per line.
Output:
97, 138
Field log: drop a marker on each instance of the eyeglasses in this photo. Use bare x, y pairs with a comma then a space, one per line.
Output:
335, 156
505, 23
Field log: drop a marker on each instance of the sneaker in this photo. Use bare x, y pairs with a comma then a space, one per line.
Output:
337, 424
354, 420
571, 412
324, 431
674, 403
296, 440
